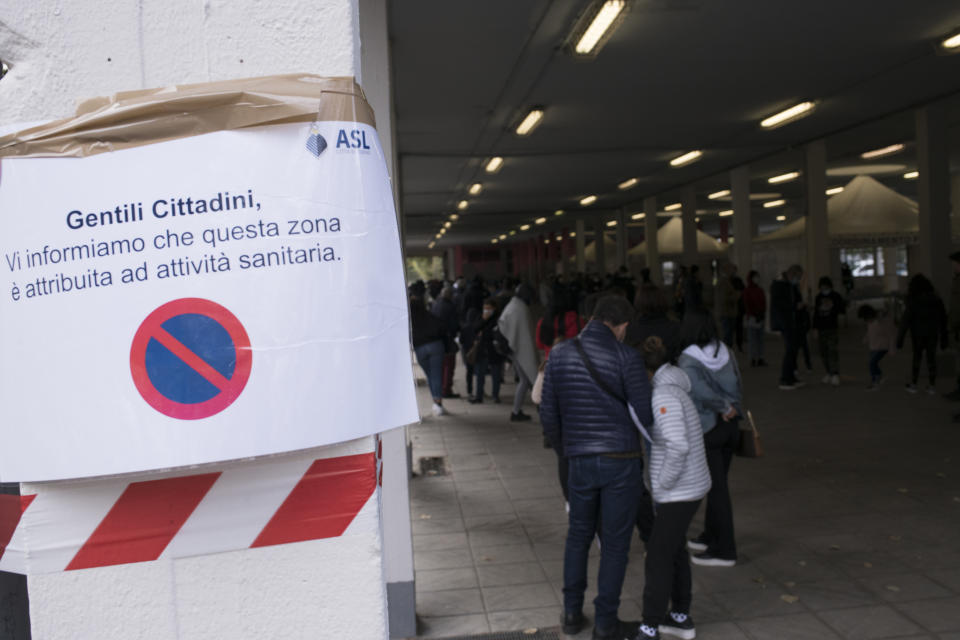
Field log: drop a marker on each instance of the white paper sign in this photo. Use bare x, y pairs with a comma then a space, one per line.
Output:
233, 294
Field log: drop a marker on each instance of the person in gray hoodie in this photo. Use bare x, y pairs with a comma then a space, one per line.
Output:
679, 479
717, 394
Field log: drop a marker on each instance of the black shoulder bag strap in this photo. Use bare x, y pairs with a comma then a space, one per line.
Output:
603, 385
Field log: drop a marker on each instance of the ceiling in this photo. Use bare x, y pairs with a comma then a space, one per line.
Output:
676, 75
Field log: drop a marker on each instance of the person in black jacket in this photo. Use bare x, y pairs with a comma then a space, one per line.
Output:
785, 305
828, 306
488, 359
925, 317
428, 344
590, 384
445, 309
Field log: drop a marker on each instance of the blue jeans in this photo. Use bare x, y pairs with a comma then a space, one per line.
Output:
607, 489
430, 357
875, 357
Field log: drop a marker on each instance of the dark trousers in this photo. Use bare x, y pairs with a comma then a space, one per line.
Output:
470, 373
928, 347
830, 350
790, 347
482, 367
875, 357
728, 325
803, 346
667, 566
604, 489
449, 366
718, 534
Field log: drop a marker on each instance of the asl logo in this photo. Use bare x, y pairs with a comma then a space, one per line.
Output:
316, 143
353, 139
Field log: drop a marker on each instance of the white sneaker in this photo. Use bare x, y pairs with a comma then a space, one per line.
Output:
438, 410
835, 380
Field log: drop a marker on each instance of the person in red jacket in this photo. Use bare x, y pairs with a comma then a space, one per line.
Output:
755, 310
560, 321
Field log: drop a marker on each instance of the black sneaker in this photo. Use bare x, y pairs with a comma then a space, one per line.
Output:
519, 416
707, 559
646, 632
678, 625
451, 396
572, 623
621, 631
698, 544
475, 400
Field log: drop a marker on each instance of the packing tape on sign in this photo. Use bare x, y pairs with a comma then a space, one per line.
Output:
286, 500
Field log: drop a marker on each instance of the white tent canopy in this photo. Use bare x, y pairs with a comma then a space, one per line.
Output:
865, 211
670, 242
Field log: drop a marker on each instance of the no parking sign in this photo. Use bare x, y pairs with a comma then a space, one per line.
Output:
211, 278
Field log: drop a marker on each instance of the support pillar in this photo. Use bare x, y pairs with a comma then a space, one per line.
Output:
600, 245
817, 233
581, 230
653, 251
934, 191
742, 220
891, 282
689, 213
623, 234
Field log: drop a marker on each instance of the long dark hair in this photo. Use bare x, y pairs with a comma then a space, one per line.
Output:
699, 328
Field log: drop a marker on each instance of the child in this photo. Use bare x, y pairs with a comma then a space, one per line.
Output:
827, 309
879, 339
679, 479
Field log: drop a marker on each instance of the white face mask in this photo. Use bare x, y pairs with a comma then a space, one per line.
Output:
487, 313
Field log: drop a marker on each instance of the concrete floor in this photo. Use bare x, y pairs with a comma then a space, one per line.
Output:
848, 528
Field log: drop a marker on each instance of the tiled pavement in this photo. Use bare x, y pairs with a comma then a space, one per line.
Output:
848, 528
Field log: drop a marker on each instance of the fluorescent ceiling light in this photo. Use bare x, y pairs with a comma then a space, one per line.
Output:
495, 241
911, 175
559, 238
454, 217
638, 216
687, 158
834, 191
432, 244
447, 224
599, 26
696, 219
558, 212
952, 42
672, 207
540, 221
587, 201
774, 203
716, 195
530, 122
463, 204
443, 230
546, 241
494, 164
784, 177
795, 112
726, 214
885, 151
781, 218
573, 234
513, 232
503, 236
524, 227
628, 184
438, 236
612, 223
475, 189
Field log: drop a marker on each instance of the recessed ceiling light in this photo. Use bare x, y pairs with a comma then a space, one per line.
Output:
463, 204
952, 42
454, 217
781, 218
834, 191
495, 241
587, 201
628, 184
638, 216
546, 241
443, 230
612, 223
432, 244
884, 151
513, 232
866, 170
438, 236
494, 164
447, 224
774, 203
795, 112
475, 189
599, 27
558, 212
573, 234
524, 227
540, 221
672, 207
560, 238
725, 214
911, 175
530, 122
503, 236
784, 177
716, 195
687, 158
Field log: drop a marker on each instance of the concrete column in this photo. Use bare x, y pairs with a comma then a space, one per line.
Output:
565, 252
689, 202
891, 283
450, 263
581, 239
742, 220
623, 238
955, 203
934, 190
650, 237
600, 244
817, 234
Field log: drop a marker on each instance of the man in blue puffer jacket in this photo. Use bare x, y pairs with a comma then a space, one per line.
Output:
588, 420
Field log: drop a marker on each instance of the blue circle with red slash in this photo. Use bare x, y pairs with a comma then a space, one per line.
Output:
190, 358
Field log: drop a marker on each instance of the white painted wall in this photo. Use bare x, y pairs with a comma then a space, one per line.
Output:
63, 52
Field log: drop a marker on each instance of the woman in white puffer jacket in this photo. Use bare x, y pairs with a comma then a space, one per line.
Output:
679, 479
